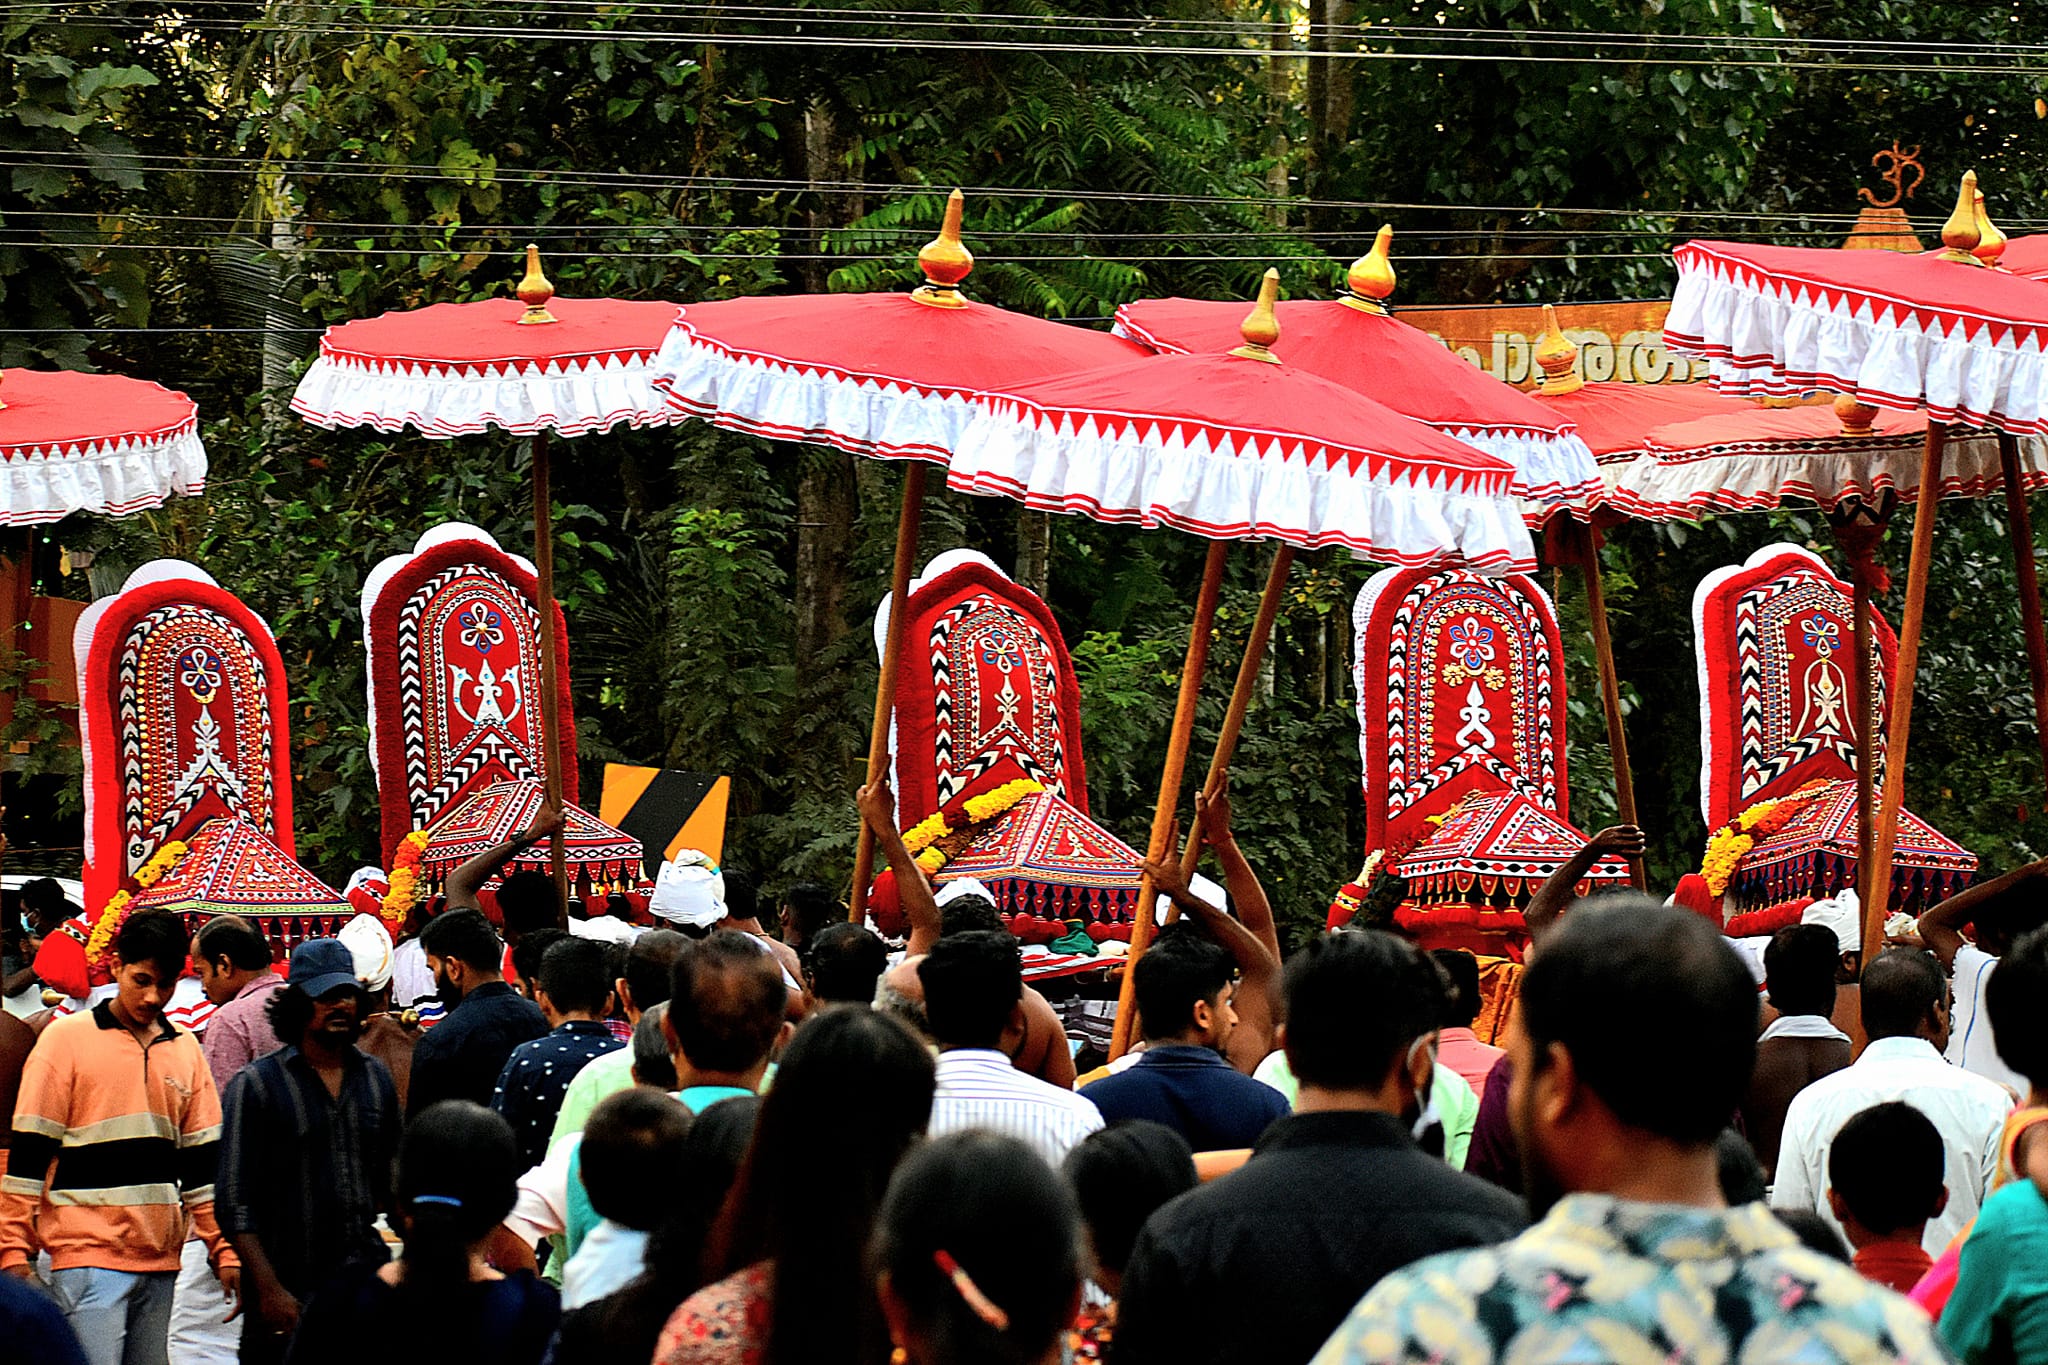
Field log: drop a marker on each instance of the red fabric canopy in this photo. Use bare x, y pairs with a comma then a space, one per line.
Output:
53, 414
496, 814
1615, 419
2026, 256
874, 374
1233, 447
1380, 356
1396, 364
473, 337
1896, 330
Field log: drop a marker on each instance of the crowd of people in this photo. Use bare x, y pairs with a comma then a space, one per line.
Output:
703, 1142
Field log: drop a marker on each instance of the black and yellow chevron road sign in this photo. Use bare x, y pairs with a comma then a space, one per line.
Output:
666, 810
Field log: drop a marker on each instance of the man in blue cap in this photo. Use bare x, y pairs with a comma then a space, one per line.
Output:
309, 1135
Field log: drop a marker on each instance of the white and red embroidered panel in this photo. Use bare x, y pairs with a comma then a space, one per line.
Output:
454, 662
184, 710
985, 676
1774, 637
1460, 688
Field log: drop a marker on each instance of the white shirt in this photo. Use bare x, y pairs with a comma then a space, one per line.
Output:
978, 1088
1970, 1041
1802, 1026
411, 980
610, 1256
1967, 1110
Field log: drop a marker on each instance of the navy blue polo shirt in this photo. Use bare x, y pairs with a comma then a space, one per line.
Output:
1193, 1091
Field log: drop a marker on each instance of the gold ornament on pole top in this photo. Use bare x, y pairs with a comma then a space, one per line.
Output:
1556, 356
1371, 277
1959, 234
945, 261
534, 290
1990, 241
1261, 327
1855, 416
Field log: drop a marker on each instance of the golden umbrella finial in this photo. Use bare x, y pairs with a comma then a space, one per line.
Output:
1990, 241
1371, 276
945, 261
1556, 357
1261, 327
534, 290
1959, 234
1855, 415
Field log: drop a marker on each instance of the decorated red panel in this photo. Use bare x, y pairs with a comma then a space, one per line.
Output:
1460, 689
1775, 641
454, 662
184, 706
1045, 859
985, 676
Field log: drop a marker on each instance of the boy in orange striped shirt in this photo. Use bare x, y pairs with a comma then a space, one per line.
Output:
116, 1136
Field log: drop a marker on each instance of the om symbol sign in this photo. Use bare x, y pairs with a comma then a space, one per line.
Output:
1821, 634
1001, 652
199, 671
481, 627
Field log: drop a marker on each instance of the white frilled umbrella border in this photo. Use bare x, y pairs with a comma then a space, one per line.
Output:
1766, 336
42, 484
1682, 486
787, 400
1151, 473
571, 397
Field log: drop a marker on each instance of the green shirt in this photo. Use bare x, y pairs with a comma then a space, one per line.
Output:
1456, 1106
599, 1079
1999, 1310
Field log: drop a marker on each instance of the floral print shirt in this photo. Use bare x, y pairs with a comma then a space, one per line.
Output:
721, 1324
1608, 1280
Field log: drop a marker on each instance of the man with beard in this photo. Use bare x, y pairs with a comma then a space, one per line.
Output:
460, 1057
309, 1133
1334, 1196
1637, 1255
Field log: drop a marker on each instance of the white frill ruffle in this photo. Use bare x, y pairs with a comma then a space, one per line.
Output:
785, 402
569, 398
1653, 488
1551, 470
1764, 337
109, 477
1155, 477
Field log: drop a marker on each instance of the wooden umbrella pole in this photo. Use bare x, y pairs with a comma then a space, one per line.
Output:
1862, 698
1240, 701
2020, 524
550, 685
907, 523
1610, 691
1903, 676
1160, 844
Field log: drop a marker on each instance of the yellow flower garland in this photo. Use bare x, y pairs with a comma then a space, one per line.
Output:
922, 839
1730, 844
926, 832
989, 805
931, 859
99, 944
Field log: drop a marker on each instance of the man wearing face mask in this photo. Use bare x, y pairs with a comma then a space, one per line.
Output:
309, 1133
1334, 1197
1637, 1255
460, 1058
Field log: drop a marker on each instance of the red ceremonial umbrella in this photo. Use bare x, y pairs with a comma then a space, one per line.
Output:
888, 375
1891, 331
598, 853
1237, 445
529, 366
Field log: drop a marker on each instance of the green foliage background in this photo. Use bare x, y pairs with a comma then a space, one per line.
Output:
192, 189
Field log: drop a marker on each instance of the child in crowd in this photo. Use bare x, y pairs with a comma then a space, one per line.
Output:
1884, 1183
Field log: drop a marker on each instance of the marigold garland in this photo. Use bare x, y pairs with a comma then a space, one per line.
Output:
1730, 844
931, 859
926, 832
989, 805
923, 838
99, 944
404, 888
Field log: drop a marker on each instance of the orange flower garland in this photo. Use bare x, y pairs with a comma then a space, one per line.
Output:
99, 944
404, 891
923, 839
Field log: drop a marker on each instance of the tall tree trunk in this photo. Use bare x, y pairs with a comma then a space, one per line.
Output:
1280, 92
824, 542
1034, 551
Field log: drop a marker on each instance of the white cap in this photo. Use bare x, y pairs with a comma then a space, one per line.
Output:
1203, 889
958, 887
689, 890
369, 943
1842, 913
